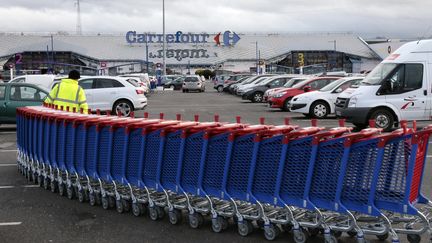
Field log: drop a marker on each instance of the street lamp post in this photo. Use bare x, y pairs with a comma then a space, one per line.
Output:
256, 58
164, 41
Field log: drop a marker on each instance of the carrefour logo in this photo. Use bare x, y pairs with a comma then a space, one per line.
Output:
228, 38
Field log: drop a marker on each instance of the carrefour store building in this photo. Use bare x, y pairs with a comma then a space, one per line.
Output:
225, 51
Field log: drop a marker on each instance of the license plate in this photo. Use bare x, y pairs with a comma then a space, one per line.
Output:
338, 113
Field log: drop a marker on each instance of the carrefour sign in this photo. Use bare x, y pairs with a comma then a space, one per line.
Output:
228, 38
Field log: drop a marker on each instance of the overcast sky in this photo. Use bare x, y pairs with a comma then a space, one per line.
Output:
391, 18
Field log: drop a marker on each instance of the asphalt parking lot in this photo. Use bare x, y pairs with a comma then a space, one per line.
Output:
31, 214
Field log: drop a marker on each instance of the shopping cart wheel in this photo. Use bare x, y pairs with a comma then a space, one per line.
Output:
126, 205
111, 202
219, 224
313, 232
105, 202
70, 192
383, 237
299, 236
271, 232
40, 181
119, 206
244, 228
413, 238
331, 239
175, 216
137, 209
287, 227
195, 220
260, 223
61, 190
81, 196
46, 183
337, 234
92, 199
153, 213
53, 186
352, 233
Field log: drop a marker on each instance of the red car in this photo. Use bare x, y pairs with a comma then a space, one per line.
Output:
281, 98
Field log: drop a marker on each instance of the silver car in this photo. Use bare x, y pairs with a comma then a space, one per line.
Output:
193, 82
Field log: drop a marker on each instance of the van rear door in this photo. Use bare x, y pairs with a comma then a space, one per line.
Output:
406, 89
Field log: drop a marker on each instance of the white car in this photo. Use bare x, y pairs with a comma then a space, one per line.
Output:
113, 94
320, 103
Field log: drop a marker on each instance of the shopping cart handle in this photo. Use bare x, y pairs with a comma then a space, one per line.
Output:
142, 123
248, 130
177, 127
117, 124
301, 133
335, 132
199, 127
422, 134
274, 131
365, 133
384, 138
156, 126
223, 129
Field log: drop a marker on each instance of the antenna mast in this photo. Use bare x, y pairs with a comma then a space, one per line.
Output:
78, 24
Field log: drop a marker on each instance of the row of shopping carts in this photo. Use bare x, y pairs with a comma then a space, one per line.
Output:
307, 181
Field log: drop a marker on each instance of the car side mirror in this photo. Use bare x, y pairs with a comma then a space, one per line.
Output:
338, 90
307, 88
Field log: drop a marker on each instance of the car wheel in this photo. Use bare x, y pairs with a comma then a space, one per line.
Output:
220, 89
183, 90
123, 106
319, 109
285, 106
172, 86
383, 119
257, 97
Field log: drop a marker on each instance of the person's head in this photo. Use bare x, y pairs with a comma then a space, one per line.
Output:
74, 74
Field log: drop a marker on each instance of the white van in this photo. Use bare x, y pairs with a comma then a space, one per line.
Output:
42, 80
399, 88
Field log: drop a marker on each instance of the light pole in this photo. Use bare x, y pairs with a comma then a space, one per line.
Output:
163, 33
256, 58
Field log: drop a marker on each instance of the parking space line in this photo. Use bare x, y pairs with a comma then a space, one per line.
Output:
6, 187
10, 223
8, 150
30, 186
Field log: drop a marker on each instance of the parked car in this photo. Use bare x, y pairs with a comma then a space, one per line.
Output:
139, 83
244, 81
113, 93
14, 95
321, 103
281, 98
193, 82
226, 86
399, 88
168, 78
175, 84
256, 93
220, 84
43, 80
288, 84
239, 89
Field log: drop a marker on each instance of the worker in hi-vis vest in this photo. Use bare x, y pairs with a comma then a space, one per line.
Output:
68, 93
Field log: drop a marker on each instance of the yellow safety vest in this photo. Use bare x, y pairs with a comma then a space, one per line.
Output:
68, 94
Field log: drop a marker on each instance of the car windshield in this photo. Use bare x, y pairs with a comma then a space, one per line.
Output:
332, 85
301, 84
293, 82
376, 76
261, 80
134, 82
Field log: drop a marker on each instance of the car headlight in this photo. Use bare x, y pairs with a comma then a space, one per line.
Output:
352, 102
278, 95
